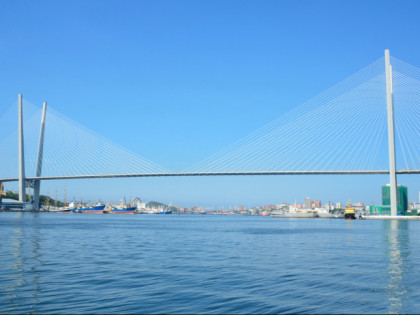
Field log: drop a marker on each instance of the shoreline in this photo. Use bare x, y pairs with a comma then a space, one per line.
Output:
310, 216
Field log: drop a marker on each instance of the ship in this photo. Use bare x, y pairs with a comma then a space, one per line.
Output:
127, 210
124, 208
349, 212
70, 208
98, 208
164, 212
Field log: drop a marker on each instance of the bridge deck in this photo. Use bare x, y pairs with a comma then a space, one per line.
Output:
377, 172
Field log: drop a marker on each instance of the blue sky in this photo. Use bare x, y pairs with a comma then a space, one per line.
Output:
176, 81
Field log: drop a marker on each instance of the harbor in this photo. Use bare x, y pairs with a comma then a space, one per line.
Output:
206, 264
309, 209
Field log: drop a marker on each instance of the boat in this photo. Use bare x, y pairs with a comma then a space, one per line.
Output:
124, 208
70, 208
295, 215
60, 209
349, 212
98, 208
127, 210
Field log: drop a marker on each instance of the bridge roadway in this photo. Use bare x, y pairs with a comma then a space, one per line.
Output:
377, 172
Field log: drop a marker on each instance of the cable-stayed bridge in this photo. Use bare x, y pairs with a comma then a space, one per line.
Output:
348, 129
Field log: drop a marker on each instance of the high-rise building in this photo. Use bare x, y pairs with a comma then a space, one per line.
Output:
402, 198
307, 203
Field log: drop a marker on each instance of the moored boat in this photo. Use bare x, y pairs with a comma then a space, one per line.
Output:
98, 208
59, 209
349, 212
128, 210
164, 212
124, 208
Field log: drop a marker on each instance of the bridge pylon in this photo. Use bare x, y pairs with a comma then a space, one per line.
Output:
21, 161
38, 171
391, 135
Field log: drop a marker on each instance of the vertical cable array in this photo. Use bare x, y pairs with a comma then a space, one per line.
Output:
406, 83
341, 129
70, 149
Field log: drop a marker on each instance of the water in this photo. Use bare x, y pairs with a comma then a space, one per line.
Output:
80, 263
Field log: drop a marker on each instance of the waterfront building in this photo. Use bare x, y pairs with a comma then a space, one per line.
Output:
315, 204
402, 202
402, 198
15, 205
307, 203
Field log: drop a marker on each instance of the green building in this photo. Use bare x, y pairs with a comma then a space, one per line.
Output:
380, 210
402, 198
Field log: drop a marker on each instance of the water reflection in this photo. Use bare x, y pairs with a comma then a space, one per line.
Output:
36, 254
17, 263
398, 254
26, 260
349, 236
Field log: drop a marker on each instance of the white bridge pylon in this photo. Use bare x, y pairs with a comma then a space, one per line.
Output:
339, 132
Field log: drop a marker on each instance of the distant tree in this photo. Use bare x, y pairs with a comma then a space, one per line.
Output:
42, 199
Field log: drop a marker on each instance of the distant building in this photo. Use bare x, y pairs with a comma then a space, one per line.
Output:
241, 208
402, 198
338, 205
307, 203
315, 204
268, 207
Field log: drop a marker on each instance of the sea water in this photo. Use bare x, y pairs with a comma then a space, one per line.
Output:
87, 263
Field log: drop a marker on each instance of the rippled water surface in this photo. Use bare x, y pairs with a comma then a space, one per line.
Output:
81, 263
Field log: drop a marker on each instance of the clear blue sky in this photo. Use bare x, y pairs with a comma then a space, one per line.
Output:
176, 81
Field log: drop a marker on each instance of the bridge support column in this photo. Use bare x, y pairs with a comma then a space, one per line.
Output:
391, 136
38, 171
21, 161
